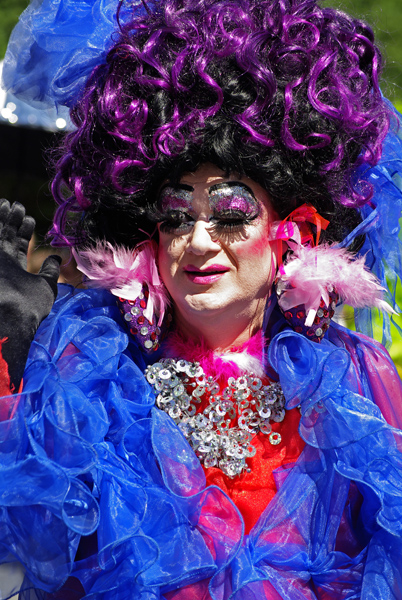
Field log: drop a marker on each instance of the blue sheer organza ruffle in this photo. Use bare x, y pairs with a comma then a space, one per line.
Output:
57, 44
86, 451
382, 247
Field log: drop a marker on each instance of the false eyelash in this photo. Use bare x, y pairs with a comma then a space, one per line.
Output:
227, 227
172, 224
234, 223
231, 220
166, 227
231, 231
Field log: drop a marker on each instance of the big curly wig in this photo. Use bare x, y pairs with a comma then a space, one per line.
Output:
284, 91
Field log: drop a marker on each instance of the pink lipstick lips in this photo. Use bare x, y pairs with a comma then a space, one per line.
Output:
207, 275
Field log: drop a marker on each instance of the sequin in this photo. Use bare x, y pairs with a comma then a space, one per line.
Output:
213, 388
199, 391
210, 461
251, 450
266, 428
174, 412
242, 383
255, 383
222, 433
275, 438
178, 390
220, 410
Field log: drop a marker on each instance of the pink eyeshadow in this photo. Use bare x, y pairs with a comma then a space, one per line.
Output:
174, 198
225, 197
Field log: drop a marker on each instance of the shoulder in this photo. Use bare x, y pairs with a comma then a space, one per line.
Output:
88, 321
373, 370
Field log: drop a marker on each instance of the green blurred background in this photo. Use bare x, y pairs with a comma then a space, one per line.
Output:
24, 176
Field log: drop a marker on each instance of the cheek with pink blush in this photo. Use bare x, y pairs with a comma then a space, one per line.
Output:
255, 247
259, 253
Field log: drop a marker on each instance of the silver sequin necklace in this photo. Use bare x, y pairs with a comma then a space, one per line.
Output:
221, 434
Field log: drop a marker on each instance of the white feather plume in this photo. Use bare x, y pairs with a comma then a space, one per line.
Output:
311, 272
124, 272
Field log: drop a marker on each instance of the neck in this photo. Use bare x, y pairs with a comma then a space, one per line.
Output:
245, 358
216, 333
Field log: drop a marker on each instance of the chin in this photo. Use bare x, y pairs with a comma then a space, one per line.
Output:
196, 304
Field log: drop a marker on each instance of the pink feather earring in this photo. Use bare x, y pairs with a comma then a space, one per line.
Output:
315, 277
132, 276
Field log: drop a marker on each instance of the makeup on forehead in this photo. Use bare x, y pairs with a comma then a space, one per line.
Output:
233, 195
223, 197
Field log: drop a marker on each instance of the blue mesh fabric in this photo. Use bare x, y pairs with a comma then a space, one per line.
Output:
86, 451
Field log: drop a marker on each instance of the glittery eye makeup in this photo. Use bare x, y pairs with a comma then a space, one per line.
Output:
174, 197
175, 206
232, 206
233, 197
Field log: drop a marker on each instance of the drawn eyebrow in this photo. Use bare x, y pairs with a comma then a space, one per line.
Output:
218, 186
177, 186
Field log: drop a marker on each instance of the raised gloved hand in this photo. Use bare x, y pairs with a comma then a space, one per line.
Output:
25, 299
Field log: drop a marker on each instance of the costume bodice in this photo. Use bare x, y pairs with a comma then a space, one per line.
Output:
87, 451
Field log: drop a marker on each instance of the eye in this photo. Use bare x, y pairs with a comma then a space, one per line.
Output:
233, 219
230, 225
177, 222
234, 207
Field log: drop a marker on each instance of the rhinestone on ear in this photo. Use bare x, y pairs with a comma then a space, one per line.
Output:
296, 317
147, 334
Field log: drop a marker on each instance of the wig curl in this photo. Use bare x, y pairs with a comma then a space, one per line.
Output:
283, 91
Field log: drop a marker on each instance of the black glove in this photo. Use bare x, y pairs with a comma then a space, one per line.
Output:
25, 299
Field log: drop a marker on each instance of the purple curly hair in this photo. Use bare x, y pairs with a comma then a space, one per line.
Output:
283, 91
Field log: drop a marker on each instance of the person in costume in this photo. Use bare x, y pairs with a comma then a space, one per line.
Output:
193, 424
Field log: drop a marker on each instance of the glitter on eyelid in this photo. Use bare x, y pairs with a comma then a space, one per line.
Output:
172, 198
233, 197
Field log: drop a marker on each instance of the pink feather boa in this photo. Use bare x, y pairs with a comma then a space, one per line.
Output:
311, 272
125, 272
246, 358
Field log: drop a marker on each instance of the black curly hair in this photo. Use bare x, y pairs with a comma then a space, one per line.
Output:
285, 92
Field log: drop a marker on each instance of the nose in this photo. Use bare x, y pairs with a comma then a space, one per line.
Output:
200, 241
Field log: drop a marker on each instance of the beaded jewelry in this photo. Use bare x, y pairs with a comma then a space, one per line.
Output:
314, 277
148, 334
296, 315
221, 433
132, 276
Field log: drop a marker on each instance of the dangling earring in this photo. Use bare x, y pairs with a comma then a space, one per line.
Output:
148, 332
314, 277
132, 276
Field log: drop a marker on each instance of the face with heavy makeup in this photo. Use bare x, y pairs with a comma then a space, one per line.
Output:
215, 256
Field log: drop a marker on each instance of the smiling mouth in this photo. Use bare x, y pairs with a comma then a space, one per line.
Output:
206, 273
205, 276
211, 270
